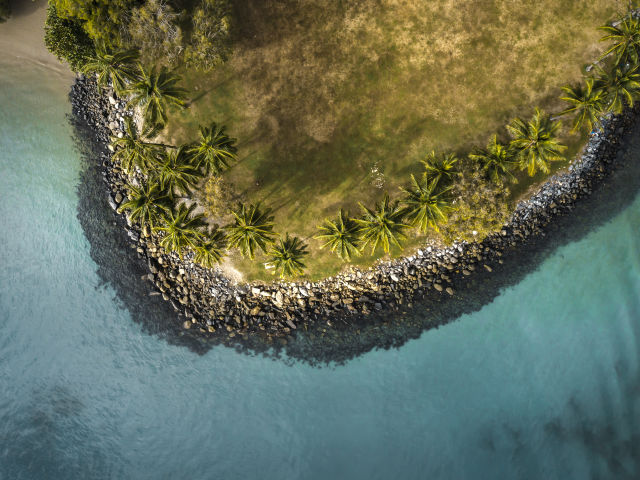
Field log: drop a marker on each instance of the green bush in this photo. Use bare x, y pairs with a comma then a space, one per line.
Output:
209, 45
67, 40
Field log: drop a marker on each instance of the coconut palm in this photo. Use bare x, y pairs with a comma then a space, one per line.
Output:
341, 235
175, 171
214, 150
119, 67
131, 150
382, 226
146, 204
586, 101
621, 86
441, 166
153, 92
286, 257
496, 160
252, 229
625, 38
535, 142
427, 203
182, 229
211, 248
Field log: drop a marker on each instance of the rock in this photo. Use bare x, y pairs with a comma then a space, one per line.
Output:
118, 198
394, 277
466, 272
488, 268
437, 286
112, 100
449, 290
187, 325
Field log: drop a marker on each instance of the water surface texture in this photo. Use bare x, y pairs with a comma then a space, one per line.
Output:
542, 383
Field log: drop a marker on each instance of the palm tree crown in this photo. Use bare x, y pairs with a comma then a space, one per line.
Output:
427, 203
341, 235
286, 257
621, 86
535, 142
210, 249
586, 102
441, 166
175, 171
382, 226
214, 150
496, 159
119, 67
154, 91
131, 150
146, 203
181, 228
252, 229
625, 36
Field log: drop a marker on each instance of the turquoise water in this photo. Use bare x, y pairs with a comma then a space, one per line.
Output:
542, 383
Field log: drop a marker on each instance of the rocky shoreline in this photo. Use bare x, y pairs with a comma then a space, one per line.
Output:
350, 307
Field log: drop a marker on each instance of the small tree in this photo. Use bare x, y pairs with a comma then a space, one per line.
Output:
286, 257
119, 67
182, 229
496, 161
441, 166
341, 235
621, 86
625, 38
427, 203
154, 92
382, 226
210, 249
210, 45
175, 171
535, 142
214, 150
131, 150
147, 204
586, 102
252, 229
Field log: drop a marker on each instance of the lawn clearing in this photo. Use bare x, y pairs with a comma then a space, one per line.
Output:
335, 102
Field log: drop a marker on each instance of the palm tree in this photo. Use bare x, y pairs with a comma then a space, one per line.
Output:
427, 203
534, 142
176, 172
382, 226
621, 86
210, 249
215, 149
252, 229
496, 159
181, 228
625, 36
286, 257
146, 203
119, 67
586, 102
441, 166
131, 150
154, 91
341, 236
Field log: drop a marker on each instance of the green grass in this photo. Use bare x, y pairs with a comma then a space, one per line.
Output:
334, 102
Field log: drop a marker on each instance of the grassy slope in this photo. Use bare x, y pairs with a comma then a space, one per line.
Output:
333, 102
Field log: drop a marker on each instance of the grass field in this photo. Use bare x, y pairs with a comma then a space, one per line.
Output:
333, 102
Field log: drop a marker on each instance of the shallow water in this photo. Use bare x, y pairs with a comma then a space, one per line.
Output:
542, 383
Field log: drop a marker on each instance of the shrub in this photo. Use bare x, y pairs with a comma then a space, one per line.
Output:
209, 45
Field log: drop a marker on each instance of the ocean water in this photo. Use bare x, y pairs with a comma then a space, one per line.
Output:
542, 383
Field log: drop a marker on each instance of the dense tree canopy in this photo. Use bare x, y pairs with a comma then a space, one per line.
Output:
67, 40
